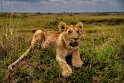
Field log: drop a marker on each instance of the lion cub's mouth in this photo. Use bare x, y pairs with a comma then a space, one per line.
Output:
73, 44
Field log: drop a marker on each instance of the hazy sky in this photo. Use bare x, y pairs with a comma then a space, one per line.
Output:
62, 5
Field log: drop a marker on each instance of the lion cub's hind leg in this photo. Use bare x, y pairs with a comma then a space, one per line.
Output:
37, 39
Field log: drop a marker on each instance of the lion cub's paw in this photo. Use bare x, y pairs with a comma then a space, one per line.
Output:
66, 72
77, 63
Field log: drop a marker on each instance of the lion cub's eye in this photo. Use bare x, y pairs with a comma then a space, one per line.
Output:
77, 31
70, 31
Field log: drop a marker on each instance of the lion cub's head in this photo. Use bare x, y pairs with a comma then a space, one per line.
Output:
71, 33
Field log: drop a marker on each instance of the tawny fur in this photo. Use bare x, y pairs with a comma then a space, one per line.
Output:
61, 41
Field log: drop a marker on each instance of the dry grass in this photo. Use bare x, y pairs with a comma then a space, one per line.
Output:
102, 48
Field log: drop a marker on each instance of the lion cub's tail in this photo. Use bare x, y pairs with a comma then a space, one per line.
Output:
10, 67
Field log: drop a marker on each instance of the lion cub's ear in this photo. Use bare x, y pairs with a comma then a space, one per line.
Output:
79, 25
62, 26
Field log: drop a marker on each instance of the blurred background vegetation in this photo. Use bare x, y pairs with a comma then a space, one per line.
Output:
102, 48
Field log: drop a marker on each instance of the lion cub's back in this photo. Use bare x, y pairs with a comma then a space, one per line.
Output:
52, 33
51, 37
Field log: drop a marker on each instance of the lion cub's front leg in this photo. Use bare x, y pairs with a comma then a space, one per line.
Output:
76, 60
65, 68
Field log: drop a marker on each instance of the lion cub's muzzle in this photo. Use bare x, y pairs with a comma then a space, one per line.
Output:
74, 43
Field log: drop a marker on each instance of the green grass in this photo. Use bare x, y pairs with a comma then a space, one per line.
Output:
102, 48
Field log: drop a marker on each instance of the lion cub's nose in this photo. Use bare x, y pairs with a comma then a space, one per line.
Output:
75, 38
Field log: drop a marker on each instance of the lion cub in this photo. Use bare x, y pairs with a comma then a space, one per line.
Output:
65, 41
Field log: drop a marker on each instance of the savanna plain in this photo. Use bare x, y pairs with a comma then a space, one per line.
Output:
102, 48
